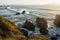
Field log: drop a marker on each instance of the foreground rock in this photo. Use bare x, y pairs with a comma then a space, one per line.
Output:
57, 20
8, 31
42, 24
38, 37
28, 25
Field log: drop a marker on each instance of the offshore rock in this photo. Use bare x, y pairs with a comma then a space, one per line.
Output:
28, 25
38, 37
23, 12
17, 13
41, 23
57, 20
8, 31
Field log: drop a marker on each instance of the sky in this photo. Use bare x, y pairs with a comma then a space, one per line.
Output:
28, 2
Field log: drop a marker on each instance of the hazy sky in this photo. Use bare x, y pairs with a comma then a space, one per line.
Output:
29, 2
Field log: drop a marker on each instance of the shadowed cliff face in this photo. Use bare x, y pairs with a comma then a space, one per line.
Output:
9, 30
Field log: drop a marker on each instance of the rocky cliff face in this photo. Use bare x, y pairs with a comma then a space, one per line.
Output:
8, 31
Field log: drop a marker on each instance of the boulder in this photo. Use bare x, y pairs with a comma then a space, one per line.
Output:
57, 20
8, 31
41, 23
28, 25
38, 37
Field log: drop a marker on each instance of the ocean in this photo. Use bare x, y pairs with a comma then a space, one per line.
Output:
32, 12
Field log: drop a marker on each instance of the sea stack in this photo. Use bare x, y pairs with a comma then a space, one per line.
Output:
42, 24
8, 30
57, 20
28, 25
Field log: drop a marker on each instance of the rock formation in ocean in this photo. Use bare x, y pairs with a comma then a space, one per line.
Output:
23, 12
17, 13
28, 25
8, 31
42, 24
57, 20
38, 37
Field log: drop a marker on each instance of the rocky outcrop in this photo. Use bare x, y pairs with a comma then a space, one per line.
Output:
57, 20
8, 31
38, 37
28, 25
42, 24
